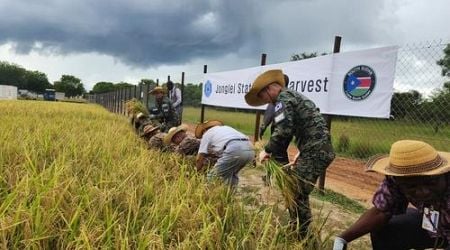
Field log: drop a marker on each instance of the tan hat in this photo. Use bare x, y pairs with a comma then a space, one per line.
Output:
201, 127
149, 129
173, 131
409, 158
140, 115
156, 89
266, 78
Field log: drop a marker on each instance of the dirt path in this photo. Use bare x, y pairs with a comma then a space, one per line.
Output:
345, 176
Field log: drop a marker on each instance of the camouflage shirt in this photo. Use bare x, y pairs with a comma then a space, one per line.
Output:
164, 114
297, 116
188, 146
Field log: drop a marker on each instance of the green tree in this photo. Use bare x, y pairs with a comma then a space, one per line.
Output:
122, 85
405, 104
445, 62
36, 81
147, 81
192, 94
12, 74
102, 87
70, 85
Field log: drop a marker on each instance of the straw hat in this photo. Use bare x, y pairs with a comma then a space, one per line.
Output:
173, 131
149, 129
156, 89
201, 127
140, 115
266, 78
409, 158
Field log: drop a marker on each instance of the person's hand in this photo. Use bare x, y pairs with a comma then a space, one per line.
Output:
339, 244
263, 156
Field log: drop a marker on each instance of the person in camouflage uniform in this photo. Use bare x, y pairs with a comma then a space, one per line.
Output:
163, 113
295, 116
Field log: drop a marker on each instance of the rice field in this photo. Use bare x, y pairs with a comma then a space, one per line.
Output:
76, 176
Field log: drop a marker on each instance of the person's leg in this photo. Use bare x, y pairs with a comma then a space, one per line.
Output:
308, 168
234, 158
403, 232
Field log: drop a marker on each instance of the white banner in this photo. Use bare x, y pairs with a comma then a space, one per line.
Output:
356, 83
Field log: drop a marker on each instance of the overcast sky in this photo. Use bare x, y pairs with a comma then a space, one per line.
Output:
127, 40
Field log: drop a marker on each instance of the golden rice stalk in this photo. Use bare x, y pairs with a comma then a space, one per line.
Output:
285, 179
135, 106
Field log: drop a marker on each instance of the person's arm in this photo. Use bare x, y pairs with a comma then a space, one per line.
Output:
369, 221
199, 161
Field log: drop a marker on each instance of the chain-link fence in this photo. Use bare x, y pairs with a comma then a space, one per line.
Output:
420, 106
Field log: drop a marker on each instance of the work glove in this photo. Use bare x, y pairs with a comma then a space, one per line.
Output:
263, 156
339, 244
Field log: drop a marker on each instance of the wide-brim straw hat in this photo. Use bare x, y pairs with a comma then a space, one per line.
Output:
149, 129
201, 127
173, 131
156, 89
266, 78
411, 158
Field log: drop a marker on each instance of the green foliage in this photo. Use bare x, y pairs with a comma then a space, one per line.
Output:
70, 85
192, 95
363, 150
343, 143
445, 62
380, 133
147, 81
15, 75
405, 104
339, 199
12, 74
122, 85
36, 81
102, 87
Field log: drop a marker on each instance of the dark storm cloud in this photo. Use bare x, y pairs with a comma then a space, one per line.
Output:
136, 32
153, 32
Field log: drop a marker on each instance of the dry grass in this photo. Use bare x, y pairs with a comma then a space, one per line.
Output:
76, 176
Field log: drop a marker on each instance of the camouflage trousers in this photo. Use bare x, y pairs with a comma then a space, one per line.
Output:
309, 167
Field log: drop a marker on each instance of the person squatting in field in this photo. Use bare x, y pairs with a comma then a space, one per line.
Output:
415, 173
157, 142
163, 114
295, 116
234, 150
186, 144
149, 131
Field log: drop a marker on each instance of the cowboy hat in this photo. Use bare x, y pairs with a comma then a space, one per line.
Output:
172, 132
411, 158
266, 78
149, 129
156, 89
201, 127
